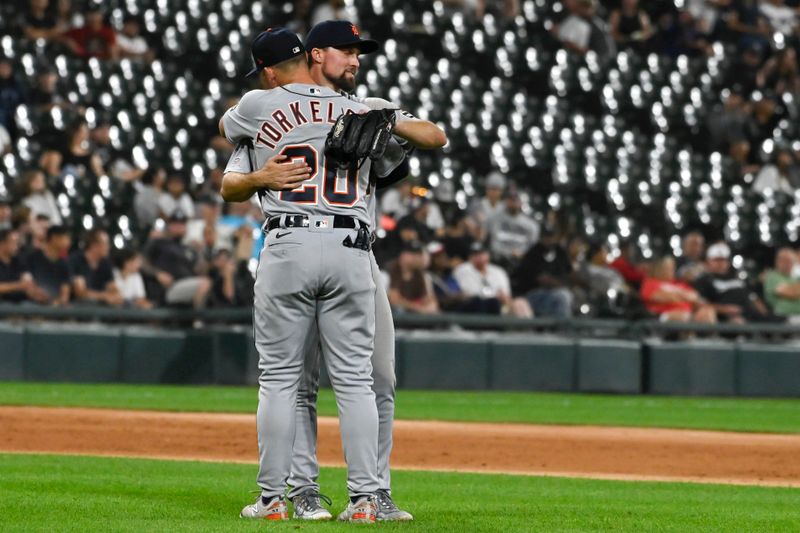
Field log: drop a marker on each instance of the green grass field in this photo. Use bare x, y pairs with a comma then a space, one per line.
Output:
733, 414
57, 493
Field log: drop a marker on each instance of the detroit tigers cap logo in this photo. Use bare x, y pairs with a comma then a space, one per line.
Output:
354, 30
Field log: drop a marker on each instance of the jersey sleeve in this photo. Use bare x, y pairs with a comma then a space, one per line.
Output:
242, 159
241, 121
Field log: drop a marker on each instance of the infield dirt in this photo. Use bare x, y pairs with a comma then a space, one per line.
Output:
574, 451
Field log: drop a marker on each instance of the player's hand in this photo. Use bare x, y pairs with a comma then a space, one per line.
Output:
279, 175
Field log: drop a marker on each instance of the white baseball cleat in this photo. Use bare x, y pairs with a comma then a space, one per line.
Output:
275, 509
363, 511
388, 511
307, 506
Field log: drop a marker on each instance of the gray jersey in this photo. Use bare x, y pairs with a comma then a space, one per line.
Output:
294, 120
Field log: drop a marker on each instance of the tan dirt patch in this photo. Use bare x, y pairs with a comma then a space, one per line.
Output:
574, 451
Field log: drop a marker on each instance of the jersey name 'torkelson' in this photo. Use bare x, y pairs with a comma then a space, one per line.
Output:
294, 120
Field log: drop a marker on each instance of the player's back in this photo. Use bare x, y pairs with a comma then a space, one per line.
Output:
294, 120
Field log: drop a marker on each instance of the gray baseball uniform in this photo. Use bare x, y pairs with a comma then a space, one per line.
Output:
305, 468
307, 277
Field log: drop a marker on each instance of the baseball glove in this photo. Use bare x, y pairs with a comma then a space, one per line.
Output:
356, 136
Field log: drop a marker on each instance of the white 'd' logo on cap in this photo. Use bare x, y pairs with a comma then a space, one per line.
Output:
295, 49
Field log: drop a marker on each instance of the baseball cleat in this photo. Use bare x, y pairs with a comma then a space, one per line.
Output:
363, 511
388, 510
307, 506
275, 509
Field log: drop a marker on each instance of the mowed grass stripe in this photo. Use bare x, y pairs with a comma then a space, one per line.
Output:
732, 414
65, 493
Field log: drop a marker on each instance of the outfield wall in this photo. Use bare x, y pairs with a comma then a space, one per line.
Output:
425, 360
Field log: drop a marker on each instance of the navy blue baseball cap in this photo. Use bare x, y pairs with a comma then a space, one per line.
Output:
338, 34
274, 46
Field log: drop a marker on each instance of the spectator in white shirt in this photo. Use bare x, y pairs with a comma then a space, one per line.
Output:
130, 42
38, 198
778, 175
512, 232
491, 205
129, 280
175, 198
477, 277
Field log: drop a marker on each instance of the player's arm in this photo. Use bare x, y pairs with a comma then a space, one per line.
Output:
422, 134
240, 181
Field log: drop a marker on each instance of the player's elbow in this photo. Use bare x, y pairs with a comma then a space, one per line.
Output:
438, 138
229, 191
221, 127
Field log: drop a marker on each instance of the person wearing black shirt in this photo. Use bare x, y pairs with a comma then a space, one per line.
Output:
726, 291
176, 266
16, 283
543, 276
92, 273
48, 268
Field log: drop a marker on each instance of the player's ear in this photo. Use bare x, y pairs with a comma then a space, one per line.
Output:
317, 55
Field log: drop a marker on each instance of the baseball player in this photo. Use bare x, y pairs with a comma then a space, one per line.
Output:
333, 48
314, 272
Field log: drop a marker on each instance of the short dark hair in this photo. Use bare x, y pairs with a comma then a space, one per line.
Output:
124, 255
5, 233
56, 231
92, 237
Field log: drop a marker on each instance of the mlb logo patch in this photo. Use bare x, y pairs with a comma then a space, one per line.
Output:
322, 224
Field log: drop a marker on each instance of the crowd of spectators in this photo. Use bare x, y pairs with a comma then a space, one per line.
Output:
497, 256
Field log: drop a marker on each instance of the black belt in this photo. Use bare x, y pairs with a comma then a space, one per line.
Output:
302, 221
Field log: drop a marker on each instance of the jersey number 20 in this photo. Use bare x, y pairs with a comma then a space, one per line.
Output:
307, 194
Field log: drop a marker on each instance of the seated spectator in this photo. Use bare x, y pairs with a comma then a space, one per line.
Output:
544, 275
449, 293
690, 264
16, 283
491, 205
728, 123
627, 264
396, 201
781, 289
75, 156
672, 300
729, 295
458, 237
175, 198
209, 209
92, 272
764, 118
39, 22
511, 232
44, 94
148, 191
95, 38
176, 266
575, 31
592, 280
418, 218
232, 283
49, 268
782, 18
478, 277
241, 227
410, 287
130, 42
780, 73
38, 198
744, 24
117, 161
11, 96
129, 281
5, 213
778, 176
630, 26
332, 10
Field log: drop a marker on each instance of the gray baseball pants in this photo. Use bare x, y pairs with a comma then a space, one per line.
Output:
305, 468
306, 281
